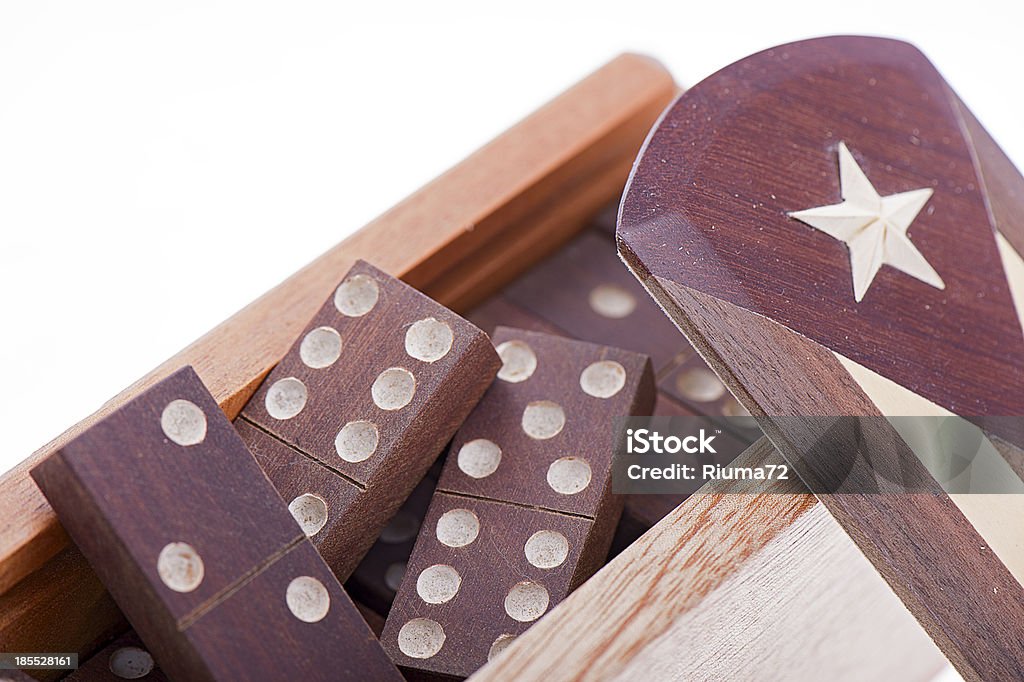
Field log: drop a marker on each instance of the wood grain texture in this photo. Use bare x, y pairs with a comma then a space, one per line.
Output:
294, 475
448, 364
771, 306
1003, 186
521, 493
544, 177
555, 297
1000, 181
737, 584
639, 512
900, 533
587, 432
253, 635
199, 550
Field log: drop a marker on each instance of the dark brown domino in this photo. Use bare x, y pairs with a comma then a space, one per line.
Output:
377, 577
585, 290
198, 549
844, 237
373, 618
692, 385
523, 511
351, 419
686, 386
126, 658
556, 399
312, 490
605, 221
483, 590
345, 649
498, 311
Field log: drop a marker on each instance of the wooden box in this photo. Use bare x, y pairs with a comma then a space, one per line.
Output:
761, 588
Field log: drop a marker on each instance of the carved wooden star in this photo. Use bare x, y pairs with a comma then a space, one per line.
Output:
874, 227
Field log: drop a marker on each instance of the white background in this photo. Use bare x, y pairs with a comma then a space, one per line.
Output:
163, 164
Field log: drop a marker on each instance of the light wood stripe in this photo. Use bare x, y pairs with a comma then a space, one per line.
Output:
730, 585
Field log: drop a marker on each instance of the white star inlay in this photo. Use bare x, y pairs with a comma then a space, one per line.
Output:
874, 227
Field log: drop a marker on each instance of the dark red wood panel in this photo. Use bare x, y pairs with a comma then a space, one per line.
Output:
708, 204
768, 299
